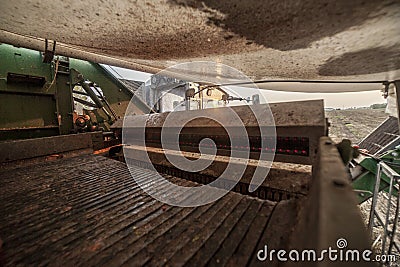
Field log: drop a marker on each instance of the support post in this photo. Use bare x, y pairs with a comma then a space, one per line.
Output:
397, 88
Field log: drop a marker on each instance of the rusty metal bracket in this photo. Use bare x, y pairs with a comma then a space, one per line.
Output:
48, 55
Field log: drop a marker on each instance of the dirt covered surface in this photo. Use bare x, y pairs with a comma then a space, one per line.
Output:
307, 39
354, 124
378, 229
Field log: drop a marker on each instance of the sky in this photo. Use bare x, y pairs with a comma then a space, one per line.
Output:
331, 100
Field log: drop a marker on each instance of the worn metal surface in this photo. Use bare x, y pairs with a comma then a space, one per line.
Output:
284, 180
35, 100
264, 39
330, 211
63, 97
386, 133
88, 210
26, 107
299, 125
16, 150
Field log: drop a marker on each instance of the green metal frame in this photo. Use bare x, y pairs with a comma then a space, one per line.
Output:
31, 110
364, 184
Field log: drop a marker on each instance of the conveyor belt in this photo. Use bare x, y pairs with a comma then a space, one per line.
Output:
88, 210
383, 135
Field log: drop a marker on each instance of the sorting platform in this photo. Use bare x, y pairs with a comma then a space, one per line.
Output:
88, 210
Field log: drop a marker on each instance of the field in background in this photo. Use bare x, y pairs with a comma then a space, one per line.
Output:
354, 124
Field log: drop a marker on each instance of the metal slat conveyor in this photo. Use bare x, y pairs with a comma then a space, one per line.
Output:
88, 210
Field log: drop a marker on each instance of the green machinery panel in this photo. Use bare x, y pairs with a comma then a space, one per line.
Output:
36, 98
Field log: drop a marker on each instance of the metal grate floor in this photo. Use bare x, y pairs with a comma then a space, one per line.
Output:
88, 210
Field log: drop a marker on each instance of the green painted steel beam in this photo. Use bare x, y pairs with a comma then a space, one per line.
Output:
364, 184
